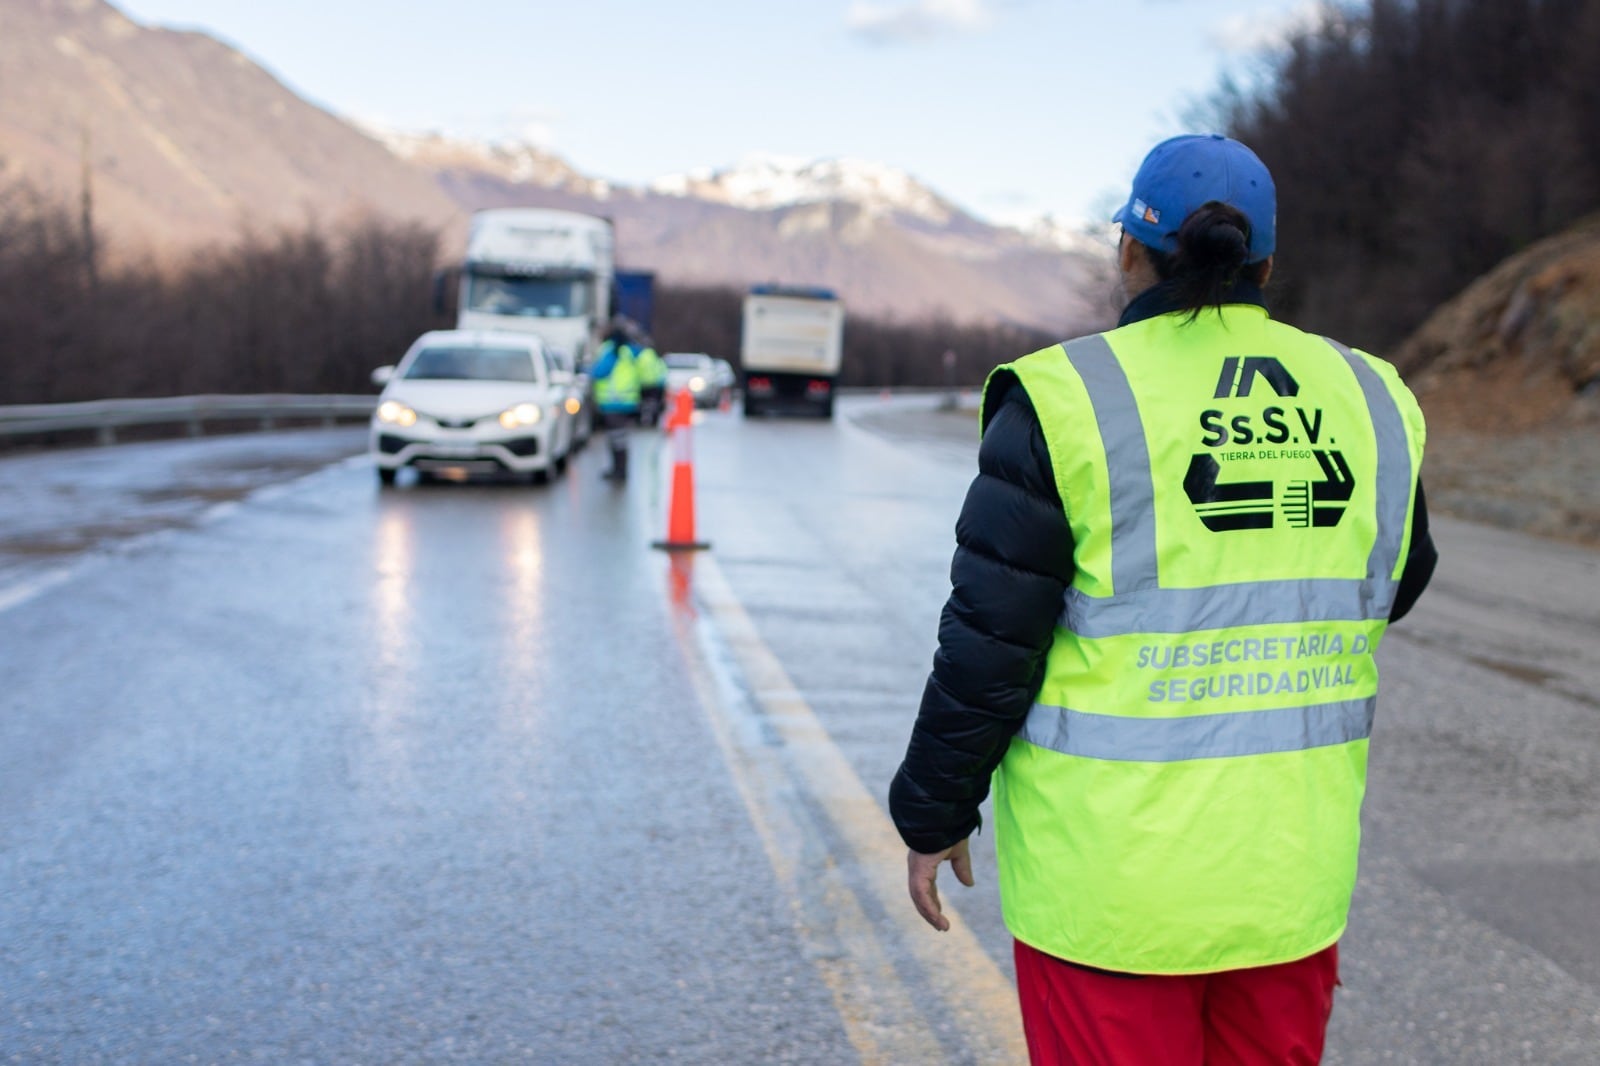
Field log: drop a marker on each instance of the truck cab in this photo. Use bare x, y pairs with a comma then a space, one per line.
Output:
545, 272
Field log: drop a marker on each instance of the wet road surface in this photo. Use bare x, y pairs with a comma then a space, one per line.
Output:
470, 774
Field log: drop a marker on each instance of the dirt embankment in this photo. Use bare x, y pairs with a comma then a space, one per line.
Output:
1509, 376
1545, 482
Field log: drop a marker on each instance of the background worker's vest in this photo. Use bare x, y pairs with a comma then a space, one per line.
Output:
618, 389
652, 369
1185, 795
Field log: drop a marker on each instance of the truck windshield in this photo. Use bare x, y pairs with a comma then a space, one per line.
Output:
532, 297
472, 364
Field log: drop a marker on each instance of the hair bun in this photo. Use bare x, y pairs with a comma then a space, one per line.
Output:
1225, 242
1212, 255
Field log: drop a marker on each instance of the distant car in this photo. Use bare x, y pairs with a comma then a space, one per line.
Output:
727, 377
580, 395
697, 372
474, 402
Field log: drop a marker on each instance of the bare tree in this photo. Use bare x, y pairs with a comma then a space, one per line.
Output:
1415, 144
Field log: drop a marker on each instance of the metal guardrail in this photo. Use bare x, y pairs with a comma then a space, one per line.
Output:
105, 417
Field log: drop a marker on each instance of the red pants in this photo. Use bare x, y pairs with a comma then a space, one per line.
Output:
1268, 1015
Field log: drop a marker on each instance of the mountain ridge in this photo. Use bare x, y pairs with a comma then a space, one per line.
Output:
153, 115
884, 240
187, 142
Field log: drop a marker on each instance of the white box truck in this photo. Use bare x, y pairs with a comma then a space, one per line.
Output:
545, 272
790, 349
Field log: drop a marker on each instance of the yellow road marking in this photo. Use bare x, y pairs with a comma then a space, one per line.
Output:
975, 999
834, 932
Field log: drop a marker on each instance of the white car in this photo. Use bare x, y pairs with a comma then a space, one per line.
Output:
473, 402
696, 372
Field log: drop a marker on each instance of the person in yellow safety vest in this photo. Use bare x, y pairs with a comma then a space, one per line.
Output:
616, 395
652, 382
1183, 545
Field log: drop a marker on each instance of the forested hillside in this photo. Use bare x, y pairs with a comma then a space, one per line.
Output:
299, 309
1416, 144
310, 309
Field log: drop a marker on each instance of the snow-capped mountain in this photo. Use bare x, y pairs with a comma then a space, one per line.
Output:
764, 182
1086, 238
885, 241
511, 161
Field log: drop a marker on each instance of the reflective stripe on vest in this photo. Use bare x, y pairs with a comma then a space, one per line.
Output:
1207, 736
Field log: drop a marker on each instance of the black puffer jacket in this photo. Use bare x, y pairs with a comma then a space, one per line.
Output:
1012, 565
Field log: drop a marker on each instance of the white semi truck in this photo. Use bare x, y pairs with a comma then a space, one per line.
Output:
790, 349
546, 272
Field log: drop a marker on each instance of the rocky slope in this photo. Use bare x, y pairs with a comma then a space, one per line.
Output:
1508, 374
1520, 347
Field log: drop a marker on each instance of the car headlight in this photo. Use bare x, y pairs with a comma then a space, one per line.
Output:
574, 405
524, 414
396, 413
697, 384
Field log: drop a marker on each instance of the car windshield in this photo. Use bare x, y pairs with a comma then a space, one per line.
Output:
472, 364
529, 297
686, 362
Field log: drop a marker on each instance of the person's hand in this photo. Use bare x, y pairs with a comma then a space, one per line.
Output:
922, 873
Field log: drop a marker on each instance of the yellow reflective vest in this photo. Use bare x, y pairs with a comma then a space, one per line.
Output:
652, 368
1185, 794
618, 388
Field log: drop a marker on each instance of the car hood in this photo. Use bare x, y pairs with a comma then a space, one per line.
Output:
461, 399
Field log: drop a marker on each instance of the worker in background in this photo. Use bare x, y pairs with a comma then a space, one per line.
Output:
652, 381
616, 394
1185, 540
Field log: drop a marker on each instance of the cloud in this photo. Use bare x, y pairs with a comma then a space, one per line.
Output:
917, 21
1266, 30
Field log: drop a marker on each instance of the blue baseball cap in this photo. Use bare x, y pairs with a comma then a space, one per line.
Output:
1181, 175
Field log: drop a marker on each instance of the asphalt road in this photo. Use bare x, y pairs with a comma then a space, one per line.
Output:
312, 772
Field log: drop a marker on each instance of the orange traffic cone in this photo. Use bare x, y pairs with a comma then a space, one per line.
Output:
680, 509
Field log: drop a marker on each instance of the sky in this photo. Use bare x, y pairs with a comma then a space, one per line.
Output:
1011, 108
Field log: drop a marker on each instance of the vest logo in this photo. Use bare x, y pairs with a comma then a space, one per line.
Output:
1320, 504
1224, 506
1274, 433
1239, 375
